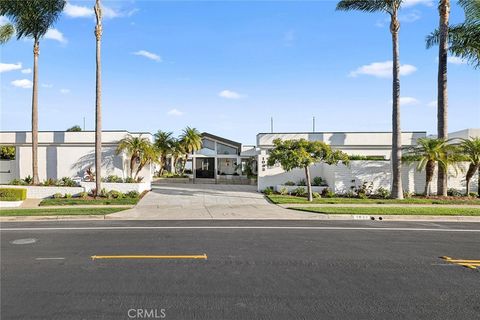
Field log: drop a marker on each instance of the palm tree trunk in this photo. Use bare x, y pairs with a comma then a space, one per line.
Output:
429, 170
309, 184
98, 97
132, 164
470, 172
36, 52
442, 97
397, 189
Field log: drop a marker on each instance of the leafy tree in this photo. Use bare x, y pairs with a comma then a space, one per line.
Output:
74, 129
164, 142
191, 141
7, 153
178, 152
136, 148
428, 152
463, 38
470, 148
291, 154
390, 7
32, 19
98, 96
6, 32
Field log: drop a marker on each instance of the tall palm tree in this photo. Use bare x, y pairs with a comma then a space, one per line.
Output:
134, 147
150, 154
178, 151
470, 148
191, 140
428, 152
463, 38
390, 7
164, 143
98, 97
6, 32
32, 19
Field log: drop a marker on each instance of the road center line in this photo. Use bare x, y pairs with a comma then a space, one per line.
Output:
59, 258
241, 228
203, 257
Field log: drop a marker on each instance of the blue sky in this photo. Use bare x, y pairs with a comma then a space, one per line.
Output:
226, 67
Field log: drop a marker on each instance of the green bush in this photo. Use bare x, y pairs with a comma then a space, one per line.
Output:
283, 191
374, 158
301, 182
473, 194
7, 153
28, 179
113, 194
17, 182
289, 183
113, 179
83, 195
132, 195
50, 182
268, 191
300, 192
12, 194
327, 193
129, 180
316, 195
57, 195
317, 181
382, 193
67, 182
68, 195
452, 192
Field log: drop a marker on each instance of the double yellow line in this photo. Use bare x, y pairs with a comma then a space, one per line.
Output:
471, 264
202, 257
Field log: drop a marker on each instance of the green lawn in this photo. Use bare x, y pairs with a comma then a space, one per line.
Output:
279, 199
58, 212
81, 202
395, 211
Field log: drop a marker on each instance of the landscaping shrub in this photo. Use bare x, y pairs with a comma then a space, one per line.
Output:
283, 191
268, 191
83, 195
132, 194
28, 179
382, 193
365, 190
113, 194
68, 195
103, 193
327, 193
289, 183
452, 192
57, 195
12, 194
473, 194
300, 192
67, 182
407, 194
374, 158
316, 195
50, 182
7, 153
129, 180
113, 179
302, 182
17, 182
317, 181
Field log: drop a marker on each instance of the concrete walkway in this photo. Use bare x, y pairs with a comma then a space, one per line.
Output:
207, 201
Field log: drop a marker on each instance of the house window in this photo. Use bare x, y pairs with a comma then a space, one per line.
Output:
224, 149
208, 144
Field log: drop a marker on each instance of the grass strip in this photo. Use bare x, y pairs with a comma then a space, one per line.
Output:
59, 212
427, 211
83, 202
280, 199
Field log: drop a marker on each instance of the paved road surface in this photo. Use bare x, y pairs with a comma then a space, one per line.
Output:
295, 270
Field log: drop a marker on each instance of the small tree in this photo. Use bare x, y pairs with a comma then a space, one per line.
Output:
470, 149
291, 154
191, 141
135, 148
74, 129
164, 142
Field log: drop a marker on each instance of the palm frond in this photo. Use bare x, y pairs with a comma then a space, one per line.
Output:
364, 5
6, 32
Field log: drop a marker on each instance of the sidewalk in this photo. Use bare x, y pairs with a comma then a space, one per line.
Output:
367, 205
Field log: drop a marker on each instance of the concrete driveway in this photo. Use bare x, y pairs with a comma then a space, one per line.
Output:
207, 201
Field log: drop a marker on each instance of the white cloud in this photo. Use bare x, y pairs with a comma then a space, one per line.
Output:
411, 3
410, 16
175, 112
23, 83
148, 55
47, 85
456, 60
432, 104
74, 11
382, 70
26, 71
228, 94
408, 101
54, 34
5, 67
64, 91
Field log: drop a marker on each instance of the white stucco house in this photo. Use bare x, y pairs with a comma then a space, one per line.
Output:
66, 154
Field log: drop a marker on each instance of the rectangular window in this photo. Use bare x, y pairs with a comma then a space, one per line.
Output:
224, 149
208, 144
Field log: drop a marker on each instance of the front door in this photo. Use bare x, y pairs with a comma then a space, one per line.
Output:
205, 168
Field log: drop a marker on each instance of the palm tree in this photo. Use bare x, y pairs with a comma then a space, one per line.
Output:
150, 154
98, 97
164, 143
135, 148
428, 152
464, 38
390, 7
6, 32
32, 19
470, 148
191, 140
177, 153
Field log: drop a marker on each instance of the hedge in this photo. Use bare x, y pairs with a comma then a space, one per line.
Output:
12, 194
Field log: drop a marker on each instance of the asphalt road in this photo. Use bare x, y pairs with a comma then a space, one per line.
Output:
295, 270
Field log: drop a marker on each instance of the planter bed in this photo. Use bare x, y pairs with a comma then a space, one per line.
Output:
120, 187
228, 179
291, 188
41, 192
172, 180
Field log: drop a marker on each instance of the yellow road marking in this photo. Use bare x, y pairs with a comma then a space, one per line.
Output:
471, 264
203, 256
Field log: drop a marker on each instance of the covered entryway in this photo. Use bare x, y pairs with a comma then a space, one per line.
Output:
205, 168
